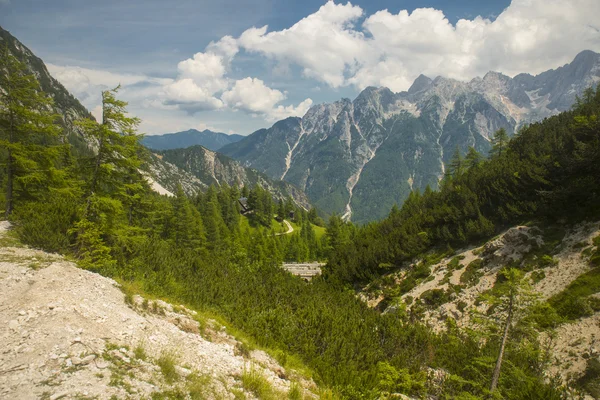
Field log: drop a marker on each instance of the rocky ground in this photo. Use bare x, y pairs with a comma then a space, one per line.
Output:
566, 260
68, 333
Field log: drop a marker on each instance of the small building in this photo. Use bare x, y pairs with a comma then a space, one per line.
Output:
244, 208
292, 215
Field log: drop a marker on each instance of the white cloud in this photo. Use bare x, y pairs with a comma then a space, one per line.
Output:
324, 44
190, 96
393, 49
87, 84
339, 45
282, 112
253, 96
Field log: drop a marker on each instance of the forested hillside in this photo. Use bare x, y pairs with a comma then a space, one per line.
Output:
549, 170
99, 209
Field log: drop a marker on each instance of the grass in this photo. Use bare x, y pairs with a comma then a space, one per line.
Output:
166, 362
10, 239
140, 352
257, 384
295, 392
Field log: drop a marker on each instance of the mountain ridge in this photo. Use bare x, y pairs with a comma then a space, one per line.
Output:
360, 157
207, 138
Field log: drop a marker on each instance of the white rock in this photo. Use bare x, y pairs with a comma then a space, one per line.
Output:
13, 325
59, 395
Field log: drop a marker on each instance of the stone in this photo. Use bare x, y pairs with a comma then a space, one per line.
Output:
83, 361
13, 325
59, 395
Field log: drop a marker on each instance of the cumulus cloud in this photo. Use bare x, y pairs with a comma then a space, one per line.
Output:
190, 96
253, 96
339, 45
324, 44
393, 49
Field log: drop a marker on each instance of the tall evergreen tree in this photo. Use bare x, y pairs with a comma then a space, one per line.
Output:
28, 131
499, 142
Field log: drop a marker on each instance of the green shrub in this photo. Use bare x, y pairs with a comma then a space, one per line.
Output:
45, 225
434, 298
472, 275
537, 276
590, 381
575, 302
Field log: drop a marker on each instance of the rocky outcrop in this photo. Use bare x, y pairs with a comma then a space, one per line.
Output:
211, 168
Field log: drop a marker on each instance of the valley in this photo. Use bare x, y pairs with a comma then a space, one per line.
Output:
376, 236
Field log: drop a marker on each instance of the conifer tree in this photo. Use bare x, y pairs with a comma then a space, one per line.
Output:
499, 142
473, 158
457, 164
114, 169
27, 131
509, 302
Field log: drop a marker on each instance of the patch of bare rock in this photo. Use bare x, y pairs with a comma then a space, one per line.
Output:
68, 333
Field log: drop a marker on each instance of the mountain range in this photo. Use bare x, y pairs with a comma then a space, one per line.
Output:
209, 139
358, 158
163, 176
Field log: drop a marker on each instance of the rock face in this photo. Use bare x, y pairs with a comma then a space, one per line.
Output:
358, 158
212, 168
209, 139
69, 333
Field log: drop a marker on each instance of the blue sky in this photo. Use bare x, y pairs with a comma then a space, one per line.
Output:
214, 64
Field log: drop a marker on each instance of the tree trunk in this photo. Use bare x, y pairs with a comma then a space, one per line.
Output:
496, 374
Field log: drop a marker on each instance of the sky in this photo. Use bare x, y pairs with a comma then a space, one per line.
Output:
236, 66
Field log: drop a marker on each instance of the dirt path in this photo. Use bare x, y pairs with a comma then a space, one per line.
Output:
69, 333
289, 226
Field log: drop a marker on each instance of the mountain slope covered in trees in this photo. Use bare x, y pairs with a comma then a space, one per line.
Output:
97, 207
358, 158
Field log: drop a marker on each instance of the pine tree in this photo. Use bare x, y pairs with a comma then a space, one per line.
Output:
456, 167
28, 131
473, 158
499, 143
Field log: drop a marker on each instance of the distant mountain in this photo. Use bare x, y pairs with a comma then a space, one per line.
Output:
187, 166
212, 168
359, 158
209, 139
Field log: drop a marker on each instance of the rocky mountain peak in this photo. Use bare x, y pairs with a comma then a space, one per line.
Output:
420, 84
360, 158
